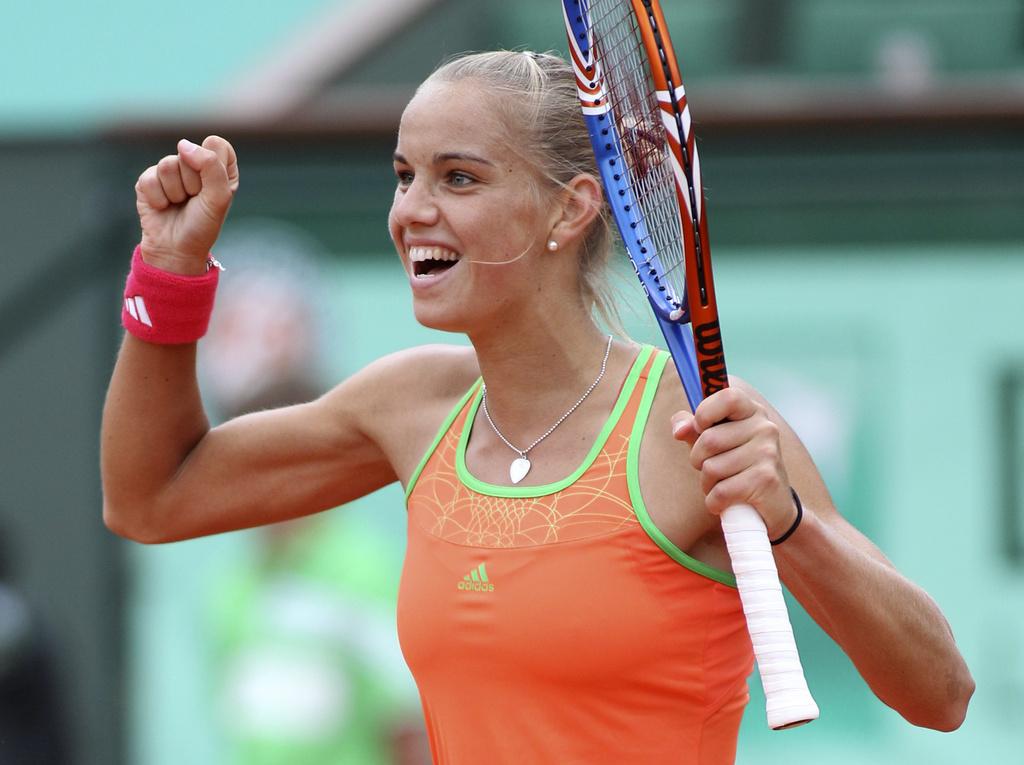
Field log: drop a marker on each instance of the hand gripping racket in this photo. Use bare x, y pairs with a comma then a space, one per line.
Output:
636, 112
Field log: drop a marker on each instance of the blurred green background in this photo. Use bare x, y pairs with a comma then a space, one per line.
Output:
864, 162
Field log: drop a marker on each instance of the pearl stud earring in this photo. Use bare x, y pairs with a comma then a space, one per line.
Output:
552, 245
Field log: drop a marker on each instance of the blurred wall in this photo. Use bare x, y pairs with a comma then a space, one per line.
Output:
56, 344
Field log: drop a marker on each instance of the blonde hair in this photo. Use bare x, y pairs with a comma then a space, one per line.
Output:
537, 95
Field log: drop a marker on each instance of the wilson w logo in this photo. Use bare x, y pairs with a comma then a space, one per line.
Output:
476, 580
710, 358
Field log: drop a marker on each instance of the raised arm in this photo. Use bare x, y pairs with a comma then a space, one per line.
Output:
889, 627
166, 474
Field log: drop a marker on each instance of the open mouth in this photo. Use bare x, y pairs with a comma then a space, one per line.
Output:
431, 261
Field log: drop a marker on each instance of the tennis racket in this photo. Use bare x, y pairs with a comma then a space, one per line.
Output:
636, 112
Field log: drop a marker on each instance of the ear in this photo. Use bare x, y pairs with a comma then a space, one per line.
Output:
578, 204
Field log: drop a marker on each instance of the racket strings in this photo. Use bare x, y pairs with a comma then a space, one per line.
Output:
658, 242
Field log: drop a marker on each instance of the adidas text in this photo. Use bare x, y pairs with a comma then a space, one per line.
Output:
477, 586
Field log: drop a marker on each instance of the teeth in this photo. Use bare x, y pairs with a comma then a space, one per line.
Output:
417, 254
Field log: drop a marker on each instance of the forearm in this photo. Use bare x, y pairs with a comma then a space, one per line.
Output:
889, 627
152, 419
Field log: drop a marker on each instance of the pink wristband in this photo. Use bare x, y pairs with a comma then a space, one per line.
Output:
165, 308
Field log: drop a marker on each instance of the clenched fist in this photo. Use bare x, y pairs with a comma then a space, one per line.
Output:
183, 201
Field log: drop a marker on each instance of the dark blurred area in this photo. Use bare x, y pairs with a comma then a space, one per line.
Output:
33, 717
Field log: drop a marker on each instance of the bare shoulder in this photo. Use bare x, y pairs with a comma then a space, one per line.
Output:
401, 399
425, 370
436, 370
661, 450
669, 484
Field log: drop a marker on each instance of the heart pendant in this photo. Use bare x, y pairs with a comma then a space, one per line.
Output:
518, 469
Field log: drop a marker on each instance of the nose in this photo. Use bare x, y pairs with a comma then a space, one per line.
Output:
414, 205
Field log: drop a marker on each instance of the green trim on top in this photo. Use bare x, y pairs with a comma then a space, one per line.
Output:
497, 490
633, 479
440, 434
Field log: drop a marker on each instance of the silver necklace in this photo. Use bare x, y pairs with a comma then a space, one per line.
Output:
521, 465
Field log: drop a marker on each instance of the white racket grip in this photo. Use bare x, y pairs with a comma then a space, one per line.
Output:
787, 697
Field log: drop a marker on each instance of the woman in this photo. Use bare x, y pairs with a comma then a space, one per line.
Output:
566, 596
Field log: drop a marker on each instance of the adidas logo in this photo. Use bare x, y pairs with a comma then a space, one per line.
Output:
476, 580
137, 308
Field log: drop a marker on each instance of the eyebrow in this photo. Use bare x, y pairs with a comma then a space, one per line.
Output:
448, 156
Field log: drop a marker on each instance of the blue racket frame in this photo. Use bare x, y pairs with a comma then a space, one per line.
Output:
606, 142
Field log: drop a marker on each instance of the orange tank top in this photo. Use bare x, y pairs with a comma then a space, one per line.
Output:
556, 624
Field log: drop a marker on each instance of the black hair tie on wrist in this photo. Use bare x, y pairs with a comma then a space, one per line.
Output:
799, 517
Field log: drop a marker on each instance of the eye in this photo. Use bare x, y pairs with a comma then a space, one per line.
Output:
460, 179
404, 177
